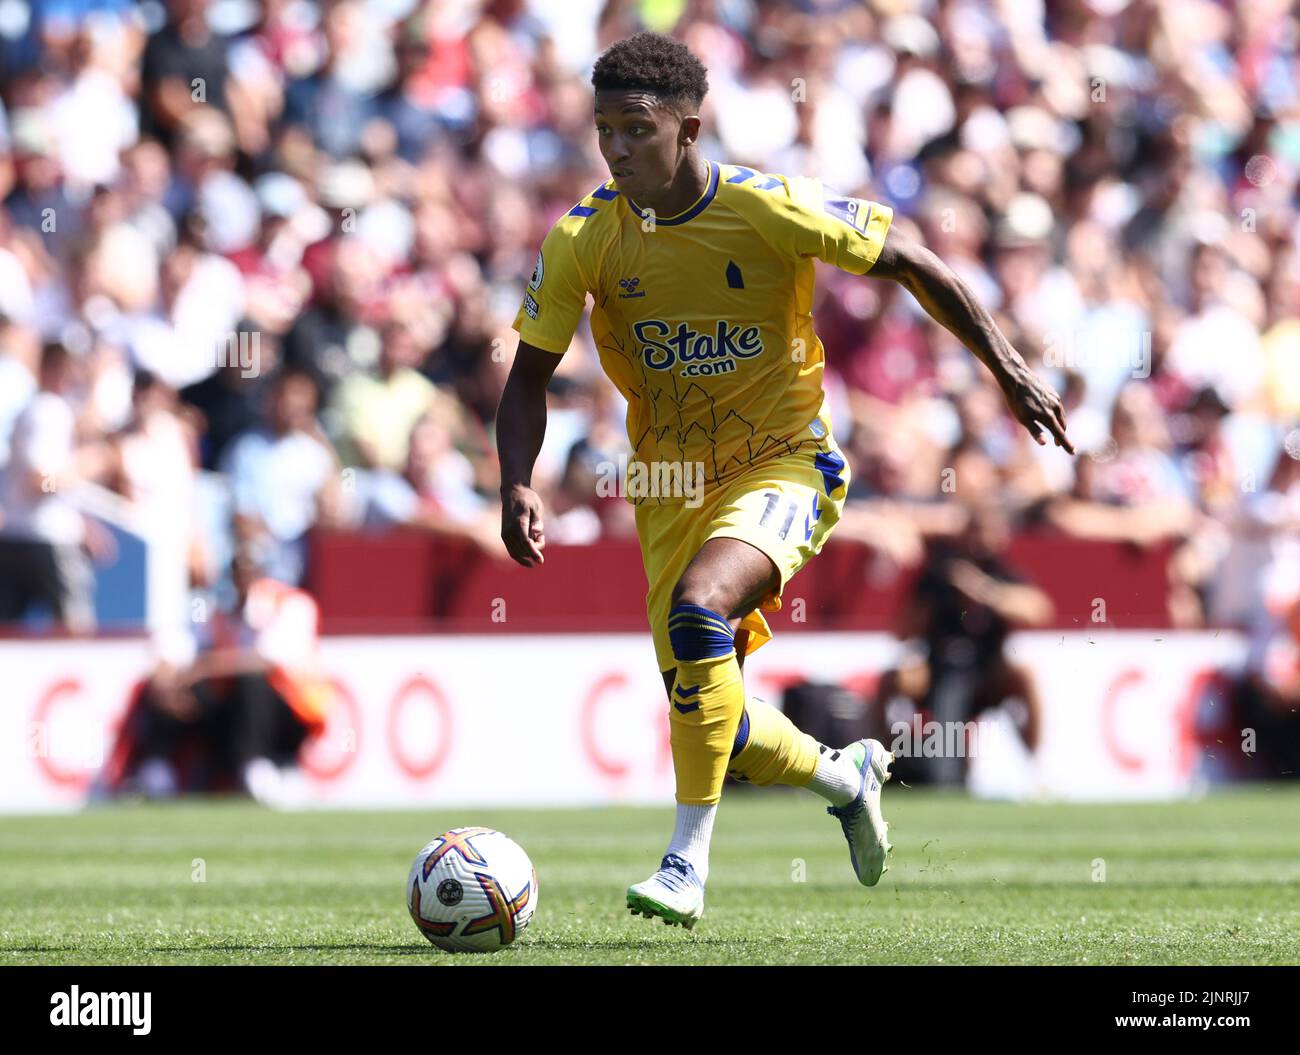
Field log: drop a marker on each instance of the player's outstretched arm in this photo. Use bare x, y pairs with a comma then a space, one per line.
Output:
950, 302
521, 427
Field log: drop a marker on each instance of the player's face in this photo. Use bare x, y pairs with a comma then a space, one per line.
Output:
640, 141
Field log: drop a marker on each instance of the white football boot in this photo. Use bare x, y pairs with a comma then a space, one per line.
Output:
674, 893
864, 827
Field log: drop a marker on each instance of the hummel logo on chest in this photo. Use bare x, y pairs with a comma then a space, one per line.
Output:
628, 286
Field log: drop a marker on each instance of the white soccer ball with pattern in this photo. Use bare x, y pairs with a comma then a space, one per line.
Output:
472, 890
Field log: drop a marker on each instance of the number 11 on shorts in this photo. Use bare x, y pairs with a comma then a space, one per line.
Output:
778, 511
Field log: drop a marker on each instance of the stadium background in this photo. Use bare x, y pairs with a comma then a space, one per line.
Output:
199, 195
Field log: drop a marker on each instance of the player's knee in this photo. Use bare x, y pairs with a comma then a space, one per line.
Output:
702, 593
697, 632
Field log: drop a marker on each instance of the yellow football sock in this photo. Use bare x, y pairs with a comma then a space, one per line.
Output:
708, 699
774, 750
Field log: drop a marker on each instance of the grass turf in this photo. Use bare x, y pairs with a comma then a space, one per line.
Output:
1202, 882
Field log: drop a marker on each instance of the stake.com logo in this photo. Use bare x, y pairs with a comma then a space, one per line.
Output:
702, 353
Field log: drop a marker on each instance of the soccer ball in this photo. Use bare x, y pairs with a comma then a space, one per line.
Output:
472, 890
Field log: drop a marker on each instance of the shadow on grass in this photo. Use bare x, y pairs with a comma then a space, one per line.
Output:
138, 949
275, 950
362, 949
643, 945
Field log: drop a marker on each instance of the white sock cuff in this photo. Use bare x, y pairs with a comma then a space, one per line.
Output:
691, 836
836, 779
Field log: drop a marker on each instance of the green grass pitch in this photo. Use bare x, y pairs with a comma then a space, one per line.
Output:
1211, 881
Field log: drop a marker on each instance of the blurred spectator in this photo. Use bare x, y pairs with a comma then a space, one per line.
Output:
1131, 490
332, 336
95, 116
1134, 470
573, 519
44, 540
284, 476
153, 463
227, 403
277, 285
407, 105
185, 66
1268, 697
964, 605
20, 354
335, 103
434, 491
1214, 323
237, 711
376, 412
39, 200
1262, 567
363, 186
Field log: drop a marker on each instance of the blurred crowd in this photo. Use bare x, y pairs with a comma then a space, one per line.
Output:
259, 261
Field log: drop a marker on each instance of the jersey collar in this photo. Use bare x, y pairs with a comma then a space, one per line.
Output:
700, 205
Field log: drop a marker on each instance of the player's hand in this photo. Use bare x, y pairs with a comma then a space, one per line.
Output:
521, 525
1036, 406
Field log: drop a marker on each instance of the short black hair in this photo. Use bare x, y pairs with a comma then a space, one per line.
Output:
652, 62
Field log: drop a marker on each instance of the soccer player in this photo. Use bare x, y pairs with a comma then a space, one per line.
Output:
701, 276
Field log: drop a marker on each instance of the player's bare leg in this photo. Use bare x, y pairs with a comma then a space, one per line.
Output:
725, 581
770, 749
716, 730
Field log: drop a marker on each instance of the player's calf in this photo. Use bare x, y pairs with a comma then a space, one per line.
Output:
706, 701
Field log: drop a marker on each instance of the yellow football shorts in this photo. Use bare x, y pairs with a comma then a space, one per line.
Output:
786, 507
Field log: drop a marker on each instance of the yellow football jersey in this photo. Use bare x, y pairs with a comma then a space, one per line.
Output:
703, 320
